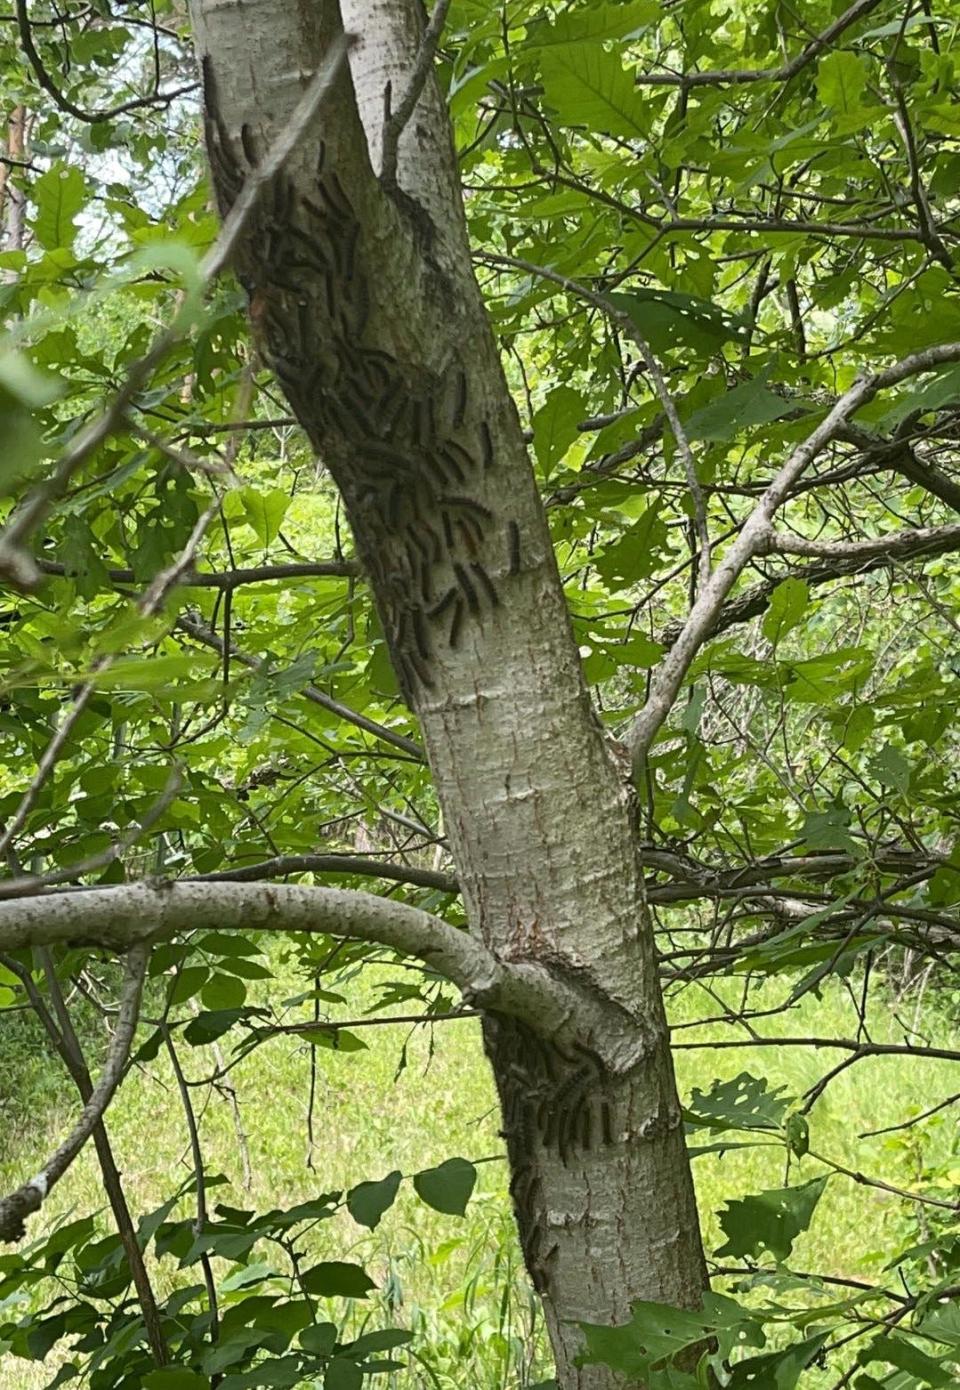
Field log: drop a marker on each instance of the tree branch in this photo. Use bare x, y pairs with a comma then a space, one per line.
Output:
150, 911
332, 864
31, 1195
740, 76
232, 578
898, 545
755, 600
754, 534
48, 85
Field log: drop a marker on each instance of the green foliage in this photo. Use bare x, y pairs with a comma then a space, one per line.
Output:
767, 239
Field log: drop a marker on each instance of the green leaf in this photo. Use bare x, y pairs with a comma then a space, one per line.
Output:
188, 983
342, 1374
892, 769
59, 194
779, 1370
797, 1131
858, 727
769, 1220
338, 1279
589, 87
447, 1188
942, 389
207, 1027
368, 1201
223, 992
670, 321
829, 829
319, 1339
384, 1339
264, 511
750, 403
555, 426
656, 1332
841, 83
588, 21
906, 1356
745, 1102
788, 603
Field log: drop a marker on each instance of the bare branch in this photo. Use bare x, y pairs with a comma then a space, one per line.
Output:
31, 1196
898, 545
332, 864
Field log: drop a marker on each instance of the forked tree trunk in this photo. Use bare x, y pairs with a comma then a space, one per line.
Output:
364, 302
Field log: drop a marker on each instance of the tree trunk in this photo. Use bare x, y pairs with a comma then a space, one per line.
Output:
364, 302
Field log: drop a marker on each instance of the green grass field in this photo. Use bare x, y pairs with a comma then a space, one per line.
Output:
457, 1283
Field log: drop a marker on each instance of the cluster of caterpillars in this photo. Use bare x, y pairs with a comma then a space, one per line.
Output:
551, 1099
410, 456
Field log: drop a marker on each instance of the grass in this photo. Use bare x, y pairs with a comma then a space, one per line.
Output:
457, 1283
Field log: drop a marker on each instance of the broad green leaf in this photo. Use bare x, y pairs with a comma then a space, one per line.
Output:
841, 84
386, 1339
264, 511
778, 1370
188, 983
907, 1356
223, 992
745, 1102
338, 1279
596, 22
788, 603
670, 321
59, 194
555, 426
656, 1332
941, 389
368, 1201
769, 1221
750, 403
829, 829
342, 1374
319, 1339
447, 1188
892, 769
175, 1378
589, 87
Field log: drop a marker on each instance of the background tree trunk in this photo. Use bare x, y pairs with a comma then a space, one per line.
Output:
364, 302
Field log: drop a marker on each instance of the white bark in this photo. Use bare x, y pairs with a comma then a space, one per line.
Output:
539, 822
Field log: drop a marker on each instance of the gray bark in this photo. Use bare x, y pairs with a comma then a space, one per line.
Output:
364, 302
